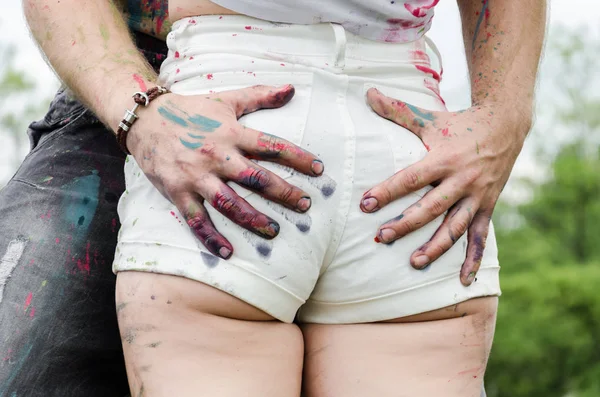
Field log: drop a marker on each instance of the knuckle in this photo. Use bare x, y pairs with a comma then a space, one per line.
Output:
436, 207
405, 226
458, 228
411, 180
286, 193
256, 179
224, 203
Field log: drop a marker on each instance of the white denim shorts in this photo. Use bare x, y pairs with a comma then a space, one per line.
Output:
324, 266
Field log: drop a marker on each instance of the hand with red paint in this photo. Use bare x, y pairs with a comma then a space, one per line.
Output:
190, 146
471, 155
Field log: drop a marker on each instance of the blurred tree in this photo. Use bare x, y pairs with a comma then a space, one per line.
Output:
548, 333
19, 105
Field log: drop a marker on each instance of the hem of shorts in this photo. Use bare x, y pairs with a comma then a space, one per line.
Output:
435, 295
251, 287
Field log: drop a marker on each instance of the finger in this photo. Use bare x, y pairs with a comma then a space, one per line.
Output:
262, 146
432, 205
270, 186
477, 237
251, 99
408, 180
454, 226
404, 114
225, 200
199, 221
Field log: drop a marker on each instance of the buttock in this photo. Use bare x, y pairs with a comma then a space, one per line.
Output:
324, 266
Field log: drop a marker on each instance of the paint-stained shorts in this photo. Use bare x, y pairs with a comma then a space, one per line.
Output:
324, 266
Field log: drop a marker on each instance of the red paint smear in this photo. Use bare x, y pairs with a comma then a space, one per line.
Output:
419, 55
426, 69
445, 132
191, 58
85, 266
487, 14
57, 240
209, 76
420, 12
192, 21
140, 81
248, 27
28, 301
282, 64
32, 312
73, 43
435, 89
177, 71
176, 54
427, 147
377, 240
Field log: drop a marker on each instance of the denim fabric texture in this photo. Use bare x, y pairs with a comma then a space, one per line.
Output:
58, 230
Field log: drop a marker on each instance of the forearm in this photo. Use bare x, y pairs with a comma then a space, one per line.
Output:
88, 45
503, 42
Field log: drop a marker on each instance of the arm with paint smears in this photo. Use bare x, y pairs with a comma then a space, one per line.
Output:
188, 146
471, 152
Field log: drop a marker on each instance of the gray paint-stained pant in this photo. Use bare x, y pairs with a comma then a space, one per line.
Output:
58, 230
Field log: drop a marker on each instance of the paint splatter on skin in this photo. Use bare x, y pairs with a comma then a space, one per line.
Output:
138, 79
485, 12
194, 122
148, 16
228, 203
254, 179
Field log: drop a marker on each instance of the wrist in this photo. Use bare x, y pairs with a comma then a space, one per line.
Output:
121, 99
517, 116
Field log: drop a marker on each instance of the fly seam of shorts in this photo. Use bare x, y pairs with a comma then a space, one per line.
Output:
339, 60
346, 199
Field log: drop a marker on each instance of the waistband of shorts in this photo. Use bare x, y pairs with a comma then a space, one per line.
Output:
294, 43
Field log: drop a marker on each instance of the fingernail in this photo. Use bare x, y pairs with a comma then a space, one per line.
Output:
386, 235
317, 167
224, 252
471, 277
420, 261
370, 203
303, 204
275, 228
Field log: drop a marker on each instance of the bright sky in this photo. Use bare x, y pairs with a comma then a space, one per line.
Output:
445, 33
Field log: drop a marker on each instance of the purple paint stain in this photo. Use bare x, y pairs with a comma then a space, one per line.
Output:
327, 190
209, 260
264, 250
303, 227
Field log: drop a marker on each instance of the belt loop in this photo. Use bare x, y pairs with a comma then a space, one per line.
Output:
340, 45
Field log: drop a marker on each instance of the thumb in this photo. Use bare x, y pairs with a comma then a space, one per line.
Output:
251, 99
411, 117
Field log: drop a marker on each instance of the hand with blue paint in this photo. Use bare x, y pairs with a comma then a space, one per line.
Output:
190, 146
471, 155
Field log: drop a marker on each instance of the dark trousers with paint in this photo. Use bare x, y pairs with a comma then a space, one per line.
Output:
58, 231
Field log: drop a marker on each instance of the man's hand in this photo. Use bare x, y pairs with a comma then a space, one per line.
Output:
189, 146
471, 155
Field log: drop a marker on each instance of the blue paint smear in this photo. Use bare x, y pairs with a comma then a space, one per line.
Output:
417, 111
79, 207
479, 20
17, 368
190, 145
172, 117
196, 136
205, 124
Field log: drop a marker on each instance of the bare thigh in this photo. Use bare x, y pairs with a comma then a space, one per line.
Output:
441, 353
184, 338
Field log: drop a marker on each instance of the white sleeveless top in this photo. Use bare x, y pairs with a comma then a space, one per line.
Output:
395, 21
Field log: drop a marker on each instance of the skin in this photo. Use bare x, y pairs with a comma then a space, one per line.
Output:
188, 146
471, 152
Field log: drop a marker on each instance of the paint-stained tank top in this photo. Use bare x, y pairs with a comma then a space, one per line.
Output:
395, 21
